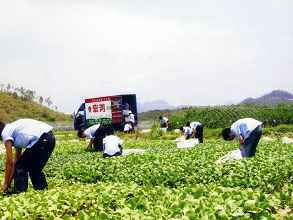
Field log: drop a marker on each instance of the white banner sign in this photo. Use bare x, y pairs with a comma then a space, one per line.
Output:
98, 109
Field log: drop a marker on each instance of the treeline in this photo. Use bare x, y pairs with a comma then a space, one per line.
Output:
27, 95
223, 116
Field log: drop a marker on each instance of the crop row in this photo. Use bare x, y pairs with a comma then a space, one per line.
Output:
270, 170
223, 116
129, 201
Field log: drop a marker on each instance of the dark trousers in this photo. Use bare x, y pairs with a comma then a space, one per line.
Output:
32, 162
163, 125
119, 153
98, 138
199, 133
248, 149
115, 155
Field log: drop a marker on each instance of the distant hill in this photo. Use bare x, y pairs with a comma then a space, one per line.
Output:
154, 105
13, 107
273, 98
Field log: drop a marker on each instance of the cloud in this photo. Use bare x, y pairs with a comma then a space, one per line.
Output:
187, 52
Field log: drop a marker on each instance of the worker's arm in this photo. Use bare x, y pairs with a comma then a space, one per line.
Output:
241, 140
242, 130
90, 143
193, 132
9, 166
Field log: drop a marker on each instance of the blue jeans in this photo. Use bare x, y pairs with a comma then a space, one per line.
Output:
248, 149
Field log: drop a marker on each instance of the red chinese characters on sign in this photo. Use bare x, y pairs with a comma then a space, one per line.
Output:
102, 108
97, 108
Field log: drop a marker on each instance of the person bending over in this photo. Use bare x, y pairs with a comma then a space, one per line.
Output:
248, 131
164, 122
197, 130
95, 134
112, 145
186, 132
38, 142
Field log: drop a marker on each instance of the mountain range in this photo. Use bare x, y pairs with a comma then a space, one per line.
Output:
273, 98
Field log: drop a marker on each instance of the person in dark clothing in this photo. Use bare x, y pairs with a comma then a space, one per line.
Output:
38, 141
197, 130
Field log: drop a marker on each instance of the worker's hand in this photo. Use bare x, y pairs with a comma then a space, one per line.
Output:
4, 188
241, 140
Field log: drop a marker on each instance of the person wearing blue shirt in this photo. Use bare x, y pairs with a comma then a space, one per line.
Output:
248, 131
38, 141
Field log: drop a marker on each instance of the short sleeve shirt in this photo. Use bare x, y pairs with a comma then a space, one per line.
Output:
131, 118
111, 144
244, 127
90, 132
194, 124
127, 127
24, 133
164, 120
187, 131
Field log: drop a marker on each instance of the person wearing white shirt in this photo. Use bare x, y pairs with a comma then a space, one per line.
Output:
95, 134
132, 119
112, 145
248, 131
128, 128
197, 130
164, 122
126, 112
186, 131
38, 141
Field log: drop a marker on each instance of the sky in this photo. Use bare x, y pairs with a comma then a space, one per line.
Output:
203, 52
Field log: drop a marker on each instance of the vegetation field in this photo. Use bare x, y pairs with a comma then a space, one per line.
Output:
163, 183
222, 116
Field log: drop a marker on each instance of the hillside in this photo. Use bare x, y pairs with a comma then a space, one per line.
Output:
273, 98
13, 107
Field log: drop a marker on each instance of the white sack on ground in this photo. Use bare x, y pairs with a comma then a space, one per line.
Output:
132, 151
182, 138
145, 130
177, 130
267, 139
187, 143
286, 140
232, 155
164, 129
